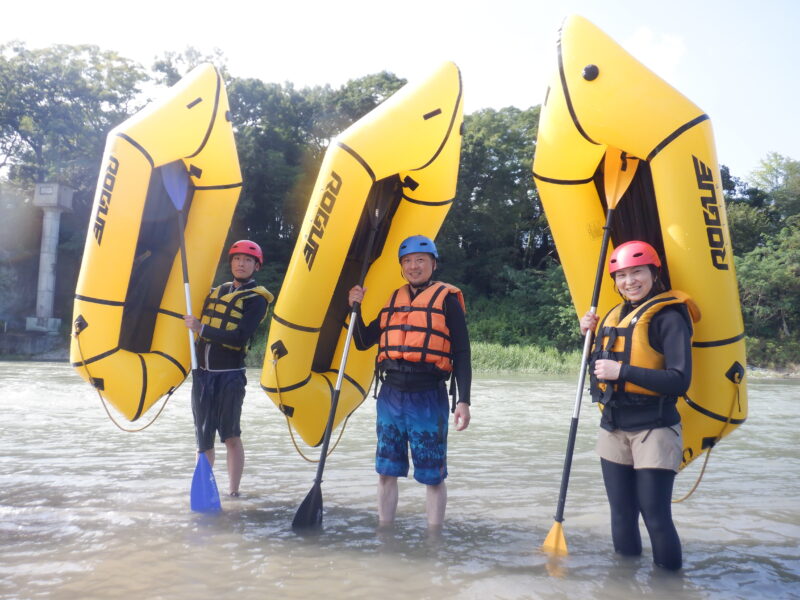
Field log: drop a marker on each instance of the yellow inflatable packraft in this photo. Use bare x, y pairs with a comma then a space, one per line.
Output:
131, 342
600, 99
404, 156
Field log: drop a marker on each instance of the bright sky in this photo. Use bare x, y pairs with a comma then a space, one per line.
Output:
737, 60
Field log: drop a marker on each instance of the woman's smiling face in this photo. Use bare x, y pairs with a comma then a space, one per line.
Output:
634, 283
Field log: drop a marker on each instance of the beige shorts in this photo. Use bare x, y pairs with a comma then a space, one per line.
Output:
660, 448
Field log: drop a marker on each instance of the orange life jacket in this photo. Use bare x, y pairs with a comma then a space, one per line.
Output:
415, 330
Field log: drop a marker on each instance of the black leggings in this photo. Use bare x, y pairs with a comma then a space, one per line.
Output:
649, 492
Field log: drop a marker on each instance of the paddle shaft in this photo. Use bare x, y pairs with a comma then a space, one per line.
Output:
187, 294
309, 513
343, 363
335, 399
587, 344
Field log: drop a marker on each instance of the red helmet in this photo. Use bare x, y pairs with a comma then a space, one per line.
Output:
632, 254
249, 248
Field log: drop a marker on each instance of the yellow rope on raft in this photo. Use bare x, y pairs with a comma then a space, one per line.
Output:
275, 358
708, 454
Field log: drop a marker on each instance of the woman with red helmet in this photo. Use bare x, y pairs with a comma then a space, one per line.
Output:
231, 314
641, 364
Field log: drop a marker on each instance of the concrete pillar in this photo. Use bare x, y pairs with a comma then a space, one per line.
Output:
53, 198
47, 263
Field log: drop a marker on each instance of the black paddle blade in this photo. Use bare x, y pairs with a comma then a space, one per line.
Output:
309, 514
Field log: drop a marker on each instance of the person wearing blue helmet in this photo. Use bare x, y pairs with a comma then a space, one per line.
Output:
422, 341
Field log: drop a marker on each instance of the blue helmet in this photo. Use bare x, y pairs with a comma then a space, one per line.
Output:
417, 243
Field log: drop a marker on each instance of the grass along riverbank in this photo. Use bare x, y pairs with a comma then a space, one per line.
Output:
523, 359
494, 358
534, 360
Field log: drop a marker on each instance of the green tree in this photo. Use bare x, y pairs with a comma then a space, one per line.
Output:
282, 135
334, 110
535, 308
172, 66
779, 177
749, 226
496, 219
58, 105
769, 284
271, 123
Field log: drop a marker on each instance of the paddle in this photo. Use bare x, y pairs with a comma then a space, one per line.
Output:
309, 513
179, 189
619, 170
204, 495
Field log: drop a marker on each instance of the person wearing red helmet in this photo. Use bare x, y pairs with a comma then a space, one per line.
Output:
422, 341
231, 314
640, 365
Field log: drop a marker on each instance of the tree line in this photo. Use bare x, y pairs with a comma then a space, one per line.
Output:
60, 102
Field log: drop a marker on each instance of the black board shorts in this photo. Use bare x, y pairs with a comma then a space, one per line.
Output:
217, 398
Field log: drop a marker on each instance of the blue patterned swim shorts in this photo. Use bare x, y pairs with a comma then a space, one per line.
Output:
417, 420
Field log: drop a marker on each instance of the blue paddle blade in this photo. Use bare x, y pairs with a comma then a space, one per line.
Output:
176, 182
204, 496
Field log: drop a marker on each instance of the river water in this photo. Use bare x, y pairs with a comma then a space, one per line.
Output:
89, 511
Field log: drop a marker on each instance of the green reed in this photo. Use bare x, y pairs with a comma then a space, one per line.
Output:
523, 359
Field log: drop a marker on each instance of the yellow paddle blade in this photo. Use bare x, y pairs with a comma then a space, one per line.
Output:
618, 173
555, 542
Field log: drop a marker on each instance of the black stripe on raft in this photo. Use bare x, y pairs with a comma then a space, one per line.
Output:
227, 186
675, 134
213, 118
359, 160
287, 388
173, 360
716, 343
450, 126
426, 203
294, 325
99, 300
95, 358
138, 146
563, 181
712, 415
194, 103
170, 313
352, 381
567, 97
331, 387
433, 113
144, 388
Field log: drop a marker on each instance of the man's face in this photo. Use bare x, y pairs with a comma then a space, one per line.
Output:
418, 267
243, 266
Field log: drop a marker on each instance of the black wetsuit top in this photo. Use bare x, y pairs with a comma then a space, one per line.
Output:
415, 376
